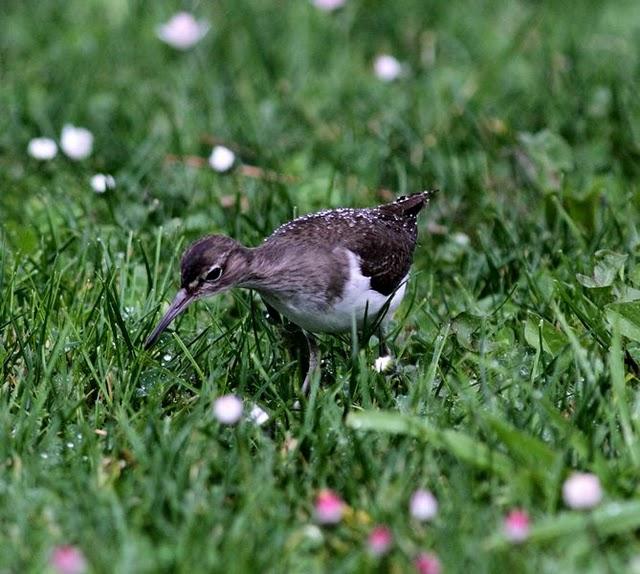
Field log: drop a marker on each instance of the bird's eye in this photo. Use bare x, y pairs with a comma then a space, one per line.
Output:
214, 274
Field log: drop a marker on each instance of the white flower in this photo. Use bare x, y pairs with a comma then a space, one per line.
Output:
182, 31
383, 364
228, 409
221, 158
100, 182
329, 5
258, 415
76, 143
313, 533
582, 490
461, 239
423, 505
42, 148
387, 68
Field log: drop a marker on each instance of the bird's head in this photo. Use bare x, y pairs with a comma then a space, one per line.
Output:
210, 265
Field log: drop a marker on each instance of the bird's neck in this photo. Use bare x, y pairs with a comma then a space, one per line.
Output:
269, 268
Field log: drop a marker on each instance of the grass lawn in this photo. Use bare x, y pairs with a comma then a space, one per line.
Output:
517, 348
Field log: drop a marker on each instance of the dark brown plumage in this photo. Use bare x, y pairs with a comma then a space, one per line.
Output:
383, 237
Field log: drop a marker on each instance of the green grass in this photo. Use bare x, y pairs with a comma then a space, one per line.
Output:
518, 351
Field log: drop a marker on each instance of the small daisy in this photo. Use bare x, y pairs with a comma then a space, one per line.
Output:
423, 506
582, 490
42, 148
68, 560
383, 364
182, 31
427, 563
258, 415
328, 508
228, 409
329, 5
100, 182
516, 526
379, 541
76, 142
313, 534
222, 159
462, 239
387, 68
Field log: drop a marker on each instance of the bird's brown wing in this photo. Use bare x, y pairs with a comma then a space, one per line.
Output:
382, 239
385, 257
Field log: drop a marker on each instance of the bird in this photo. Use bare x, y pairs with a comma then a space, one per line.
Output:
325, 272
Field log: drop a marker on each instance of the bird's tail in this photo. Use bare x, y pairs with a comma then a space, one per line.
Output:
410, 204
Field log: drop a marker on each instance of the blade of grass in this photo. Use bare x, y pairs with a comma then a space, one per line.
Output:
462, 446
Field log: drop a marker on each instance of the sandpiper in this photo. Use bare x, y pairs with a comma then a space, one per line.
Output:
325, 271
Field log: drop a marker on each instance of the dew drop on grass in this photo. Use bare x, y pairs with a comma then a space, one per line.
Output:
166, 358
150, 381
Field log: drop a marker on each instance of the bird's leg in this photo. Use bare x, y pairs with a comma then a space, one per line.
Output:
383, 348
314, 361
291, 336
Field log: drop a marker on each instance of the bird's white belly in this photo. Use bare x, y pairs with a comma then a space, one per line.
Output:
358, 302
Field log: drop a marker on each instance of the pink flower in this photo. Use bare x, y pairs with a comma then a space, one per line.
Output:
379, 541
582, 490
68, 560
329, 507
516, 525
427, 563
329, 5
423, 506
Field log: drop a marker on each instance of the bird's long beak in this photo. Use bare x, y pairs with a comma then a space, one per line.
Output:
178, 305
